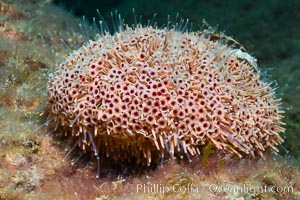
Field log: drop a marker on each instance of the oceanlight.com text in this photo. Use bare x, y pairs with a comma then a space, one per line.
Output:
213, 188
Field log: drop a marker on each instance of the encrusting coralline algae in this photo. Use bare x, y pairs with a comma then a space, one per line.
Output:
146, 93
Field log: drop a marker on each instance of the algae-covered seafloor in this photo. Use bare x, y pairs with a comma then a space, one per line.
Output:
31, 159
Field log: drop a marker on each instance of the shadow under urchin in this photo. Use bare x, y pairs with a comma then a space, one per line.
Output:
109, 167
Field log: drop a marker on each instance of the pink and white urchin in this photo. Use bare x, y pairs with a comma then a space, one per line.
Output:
145, 93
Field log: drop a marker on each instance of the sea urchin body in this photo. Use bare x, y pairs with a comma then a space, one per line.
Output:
145, 93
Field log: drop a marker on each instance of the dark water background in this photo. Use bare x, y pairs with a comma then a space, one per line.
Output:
269, 29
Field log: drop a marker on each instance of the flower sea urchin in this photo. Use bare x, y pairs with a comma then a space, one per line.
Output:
145, 93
